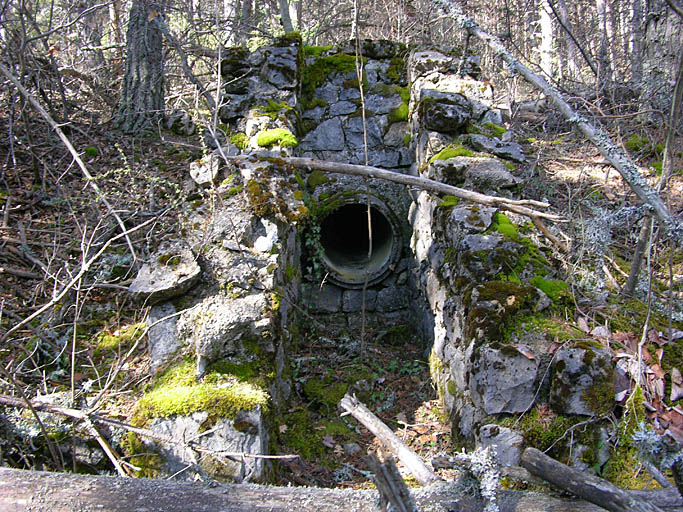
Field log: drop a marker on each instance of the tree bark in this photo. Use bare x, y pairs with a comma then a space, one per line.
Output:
141, 108
36, 491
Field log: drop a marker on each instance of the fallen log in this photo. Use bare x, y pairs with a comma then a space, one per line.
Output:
37, 491
598, 491
422, 473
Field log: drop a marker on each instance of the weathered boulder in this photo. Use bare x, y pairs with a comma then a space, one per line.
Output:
280, 67
222, 326
205, 171
427, 61
180, 123
328, 135
245, 433
503, 378
171, 272
508, 150
506, 443
582, 381
443, 111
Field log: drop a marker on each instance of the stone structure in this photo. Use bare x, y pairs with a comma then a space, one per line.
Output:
472, 278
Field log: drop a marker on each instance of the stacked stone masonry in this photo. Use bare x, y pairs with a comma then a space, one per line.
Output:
466, 274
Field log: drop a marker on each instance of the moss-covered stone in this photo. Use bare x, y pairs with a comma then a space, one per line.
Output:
277, 136
177, 392
240, 139
121, 340
315, 74
452, 151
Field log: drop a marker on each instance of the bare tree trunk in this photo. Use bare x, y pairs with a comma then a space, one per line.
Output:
572, 66
142, 100
285, 16
546, 27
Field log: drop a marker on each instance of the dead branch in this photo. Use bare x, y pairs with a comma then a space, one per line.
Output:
408, 457
621, 162
599, 491
516, 206
393, 491
89, 177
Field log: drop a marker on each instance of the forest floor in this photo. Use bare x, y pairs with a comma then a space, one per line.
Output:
51, 219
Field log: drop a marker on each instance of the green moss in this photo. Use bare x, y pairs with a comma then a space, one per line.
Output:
398, 114
406, 139
315, 51
240, 140
636, 143
279, 136
315, 74
556, 290
451, 388
397, 69
494, 129
290, 273
448, 201
122, 339
148, 464
325, 391
300, 436
452, 151
316, 178
289, 39
503, 225
177, 392
91, 152
169, 259
273, 109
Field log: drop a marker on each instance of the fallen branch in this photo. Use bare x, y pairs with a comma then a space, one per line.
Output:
393, 491
513, 205
89, 177
621, 162
408, 457
599, 491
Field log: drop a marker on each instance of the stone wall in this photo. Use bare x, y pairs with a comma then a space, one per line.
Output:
480, 288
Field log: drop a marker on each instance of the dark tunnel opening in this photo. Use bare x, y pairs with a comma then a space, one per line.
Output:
344, 239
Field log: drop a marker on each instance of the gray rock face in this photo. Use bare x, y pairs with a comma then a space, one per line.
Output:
393, 299
502, 379
280, 68
353, 128
489, 176
352, 300
171, 272
162, 340
328, 93
466, 218
233, 106
443, 111
507, 443
246, 433
396, 134
219, 325
342, 108
583, 381
328, 135
382, 104
325, 300
508, 150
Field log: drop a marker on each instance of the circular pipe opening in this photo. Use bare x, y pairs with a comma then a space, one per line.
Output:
344, 239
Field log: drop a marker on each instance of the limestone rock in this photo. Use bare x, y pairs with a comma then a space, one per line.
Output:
328, 135
489, 176
508, 150
582, 382
443, 111
382, 104
219, 325
170, 272
507, 443
342, 108
353, 129
503, 378
246, 433
352, 300
280, 68
396, 134
205, 171
162, 340
427, 61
